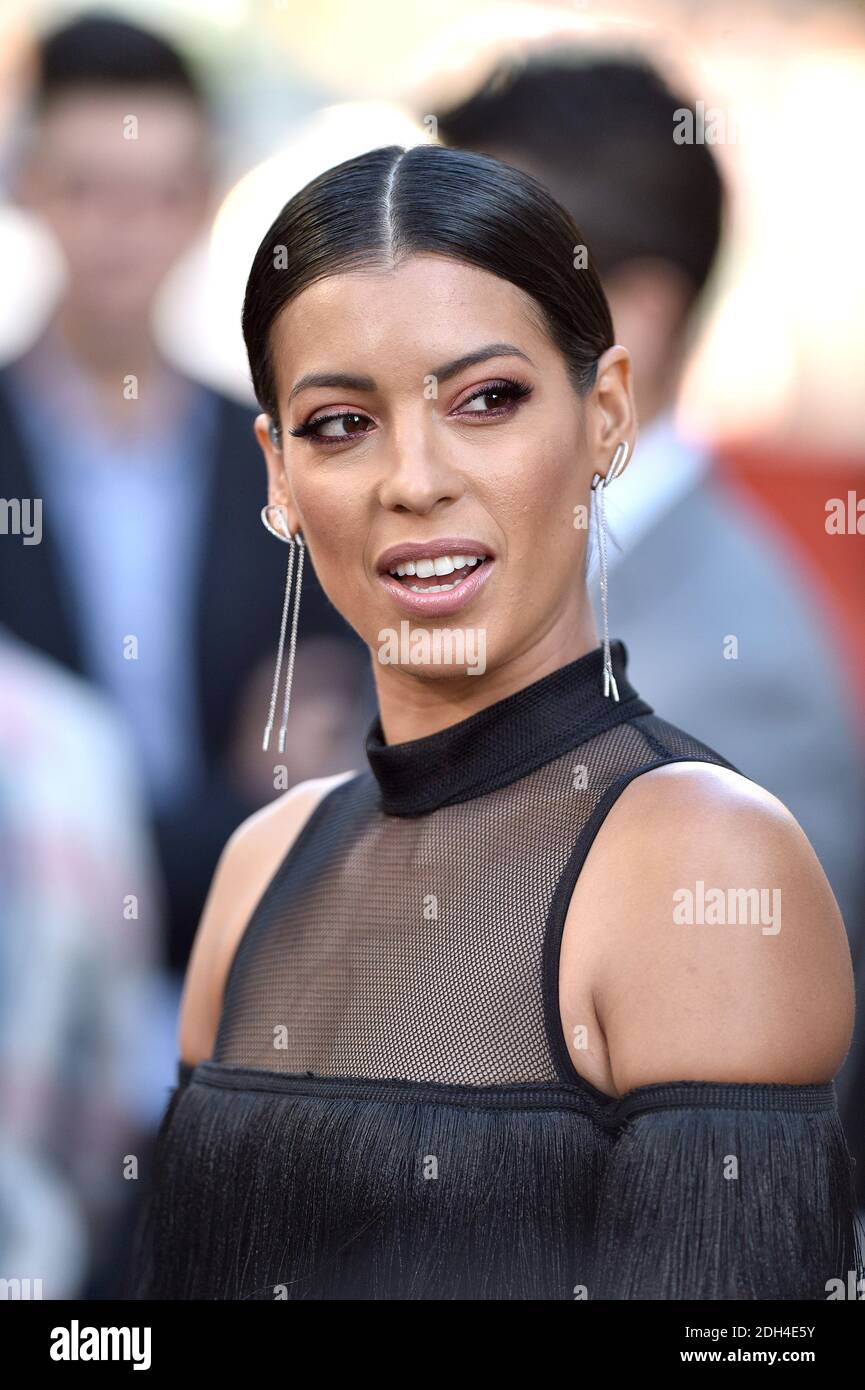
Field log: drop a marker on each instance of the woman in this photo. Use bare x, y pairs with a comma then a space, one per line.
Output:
548, 1000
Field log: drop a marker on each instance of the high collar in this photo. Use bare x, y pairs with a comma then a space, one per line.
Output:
504, 741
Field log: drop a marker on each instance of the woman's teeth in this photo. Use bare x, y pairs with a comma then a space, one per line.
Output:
440, 565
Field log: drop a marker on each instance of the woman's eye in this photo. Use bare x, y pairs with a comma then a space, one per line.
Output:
346, 424
493, 399
340, 426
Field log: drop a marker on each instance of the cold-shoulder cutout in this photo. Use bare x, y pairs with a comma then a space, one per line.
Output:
718, 950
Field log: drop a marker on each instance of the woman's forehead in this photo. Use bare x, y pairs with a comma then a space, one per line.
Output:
429, 305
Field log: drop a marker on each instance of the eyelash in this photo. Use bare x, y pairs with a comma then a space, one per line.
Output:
510, 386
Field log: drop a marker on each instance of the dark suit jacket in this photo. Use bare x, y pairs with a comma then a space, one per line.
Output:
240, 584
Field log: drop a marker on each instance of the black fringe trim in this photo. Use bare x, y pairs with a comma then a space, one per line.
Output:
732, 1201
274, 1186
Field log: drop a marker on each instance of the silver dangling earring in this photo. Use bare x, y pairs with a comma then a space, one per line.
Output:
292, 542
599, 483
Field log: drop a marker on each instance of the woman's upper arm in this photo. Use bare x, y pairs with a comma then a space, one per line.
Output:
722, 955
248, 862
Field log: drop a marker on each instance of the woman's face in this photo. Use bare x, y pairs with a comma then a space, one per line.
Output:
425, 409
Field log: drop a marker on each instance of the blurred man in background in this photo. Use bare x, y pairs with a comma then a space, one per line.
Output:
723, 631
154, 576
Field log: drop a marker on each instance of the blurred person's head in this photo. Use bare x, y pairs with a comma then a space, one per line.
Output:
598, 131
433, 368
117, 162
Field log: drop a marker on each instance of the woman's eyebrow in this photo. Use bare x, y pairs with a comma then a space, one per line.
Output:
340, 379
471, 359
346, 381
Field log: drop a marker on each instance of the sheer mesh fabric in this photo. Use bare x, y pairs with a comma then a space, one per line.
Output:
413, 946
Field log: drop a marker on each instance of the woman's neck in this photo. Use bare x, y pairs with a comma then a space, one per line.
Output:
414, 705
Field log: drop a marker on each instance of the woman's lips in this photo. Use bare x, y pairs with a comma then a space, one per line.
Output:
433, 605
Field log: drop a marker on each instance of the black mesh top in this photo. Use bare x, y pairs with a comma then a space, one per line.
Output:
391, 1110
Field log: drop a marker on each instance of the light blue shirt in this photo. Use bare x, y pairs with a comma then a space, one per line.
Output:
128, 518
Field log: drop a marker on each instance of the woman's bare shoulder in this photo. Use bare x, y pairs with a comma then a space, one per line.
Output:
248, 862
718, 950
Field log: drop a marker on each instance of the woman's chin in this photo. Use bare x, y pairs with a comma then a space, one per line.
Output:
432, 655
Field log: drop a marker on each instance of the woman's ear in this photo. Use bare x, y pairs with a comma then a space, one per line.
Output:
278, 490
613, 416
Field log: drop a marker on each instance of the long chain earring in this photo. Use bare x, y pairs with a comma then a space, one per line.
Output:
294, 542
599, 483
